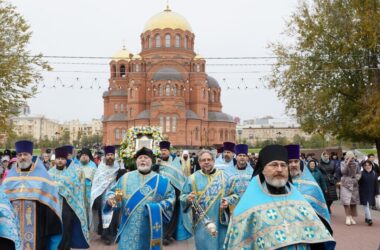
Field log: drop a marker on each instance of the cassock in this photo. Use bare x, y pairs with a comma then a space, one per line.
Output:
35, 199
89, 173
147, 204
9, 226
105, 178
221, 164
266, 220
309, 188
172, 170
69, 182
209, 190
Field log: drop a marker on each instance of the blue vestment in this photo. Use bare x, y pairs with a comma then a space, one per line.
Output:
24, 190
209, 191
310, 189
265, 221
147, 204
9, 224
69, 182
89, 173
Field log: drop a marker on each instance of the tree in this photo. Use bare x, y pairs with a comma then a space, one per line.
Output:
329, 74
20, 71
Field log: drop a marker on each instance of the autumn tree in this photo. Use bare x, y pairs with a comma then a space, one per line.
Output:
20, 70
328, 70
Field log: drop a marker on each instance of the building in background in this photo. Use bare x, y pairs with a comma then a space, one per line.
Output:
165, 85
38, 126
78, 129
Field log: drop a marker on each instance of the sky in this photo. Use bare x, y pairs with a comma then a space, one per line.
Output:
99, 28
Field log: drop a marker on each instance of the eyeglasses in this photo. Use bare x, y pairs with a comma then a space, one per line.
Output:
276, 165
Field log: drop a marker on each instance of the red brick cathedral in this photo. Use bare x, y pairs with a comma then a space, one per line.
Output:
165, 85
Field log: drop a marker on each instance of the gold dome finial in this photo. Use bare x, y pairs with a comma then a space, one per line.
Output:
167, 6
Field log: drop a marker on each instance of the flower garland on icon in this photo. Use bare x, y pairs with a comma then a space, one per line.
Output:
127, 148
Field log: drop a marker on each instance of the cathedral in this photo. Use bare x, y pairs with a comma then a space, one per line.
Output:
165, 85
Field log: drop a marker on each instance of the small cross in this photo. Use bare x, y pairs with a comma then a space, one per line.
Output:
157, 226
22, 187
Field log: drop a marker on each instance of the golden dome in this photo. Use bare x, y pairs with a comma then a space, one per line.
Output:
167, 19
122, 54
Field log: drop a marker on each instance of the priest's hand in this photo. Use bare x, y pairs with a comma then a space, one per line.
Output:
191, 197
112, 201
224, 204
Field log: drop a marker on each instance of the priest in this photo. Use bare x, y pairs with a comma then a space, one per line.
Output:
146, 201
9, 225
35, 199
273, 214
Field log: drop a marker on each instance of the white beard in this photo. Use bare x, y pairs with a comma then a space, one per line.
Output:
295, 173
25, 164
143, 169
276, 182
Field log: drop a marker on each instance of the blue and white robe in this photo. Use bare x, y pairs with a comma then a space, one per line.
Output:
9, 223
147, 204
312, 192
69, 182
104, 180
89, 173
265, 221
209, 191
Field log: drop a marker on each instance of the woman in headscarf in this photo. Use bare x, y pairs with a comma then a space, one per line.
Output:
327, 168
349, 189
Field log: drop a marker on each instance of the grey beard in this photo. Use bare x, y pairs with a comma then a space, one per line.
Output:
276, 182
143, 169
295, 173
25, 164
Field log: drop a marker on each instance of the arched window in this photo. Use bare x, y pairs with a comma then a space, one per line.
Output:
185, 42
115, 108
123, 132
198, 68
204, 113
122, 70
221, 134
162, 122
174, 123
113, 70
149, 42
167, 41
131, 93
204, 93
212, 96
175, 90
177, 41
121, 108
137, 67
160, 90
196, 133
167, 90
158, 41
168, 124
117, 134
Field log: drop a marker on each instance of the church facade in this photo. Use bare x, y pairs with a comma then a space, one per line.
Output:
165, 85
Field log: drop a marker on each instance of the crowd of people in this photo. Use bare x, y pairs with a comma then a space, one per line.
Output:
278, 199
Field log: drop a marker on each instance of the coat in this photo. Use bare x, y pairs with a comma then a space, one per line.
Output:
349, 187
368, 188
319, 179
328, 173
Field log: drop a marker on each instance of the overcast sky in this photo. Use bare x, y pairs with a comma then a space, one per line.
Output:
99, 28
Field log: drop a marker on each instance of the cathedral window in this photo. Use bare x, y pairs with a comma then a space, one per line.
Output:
158, 41
116, 108
167, 41
167, 90
196, 134
121, 108
123, 132
204, 93
160, 88
198, 68
174, 123
226, 134
177, 41
175, 90
212, 96
117, 134
204, 113
122, 70
137, 67
149, 42
162, 122
221, 134
168, 124
185, 42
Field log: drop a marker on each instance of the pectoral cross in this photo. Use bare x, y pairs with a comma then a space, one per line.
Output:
22, 187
